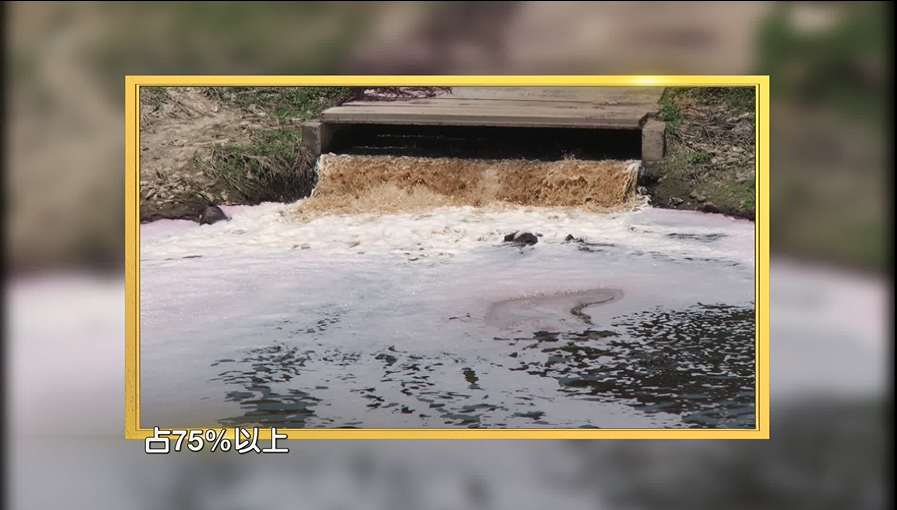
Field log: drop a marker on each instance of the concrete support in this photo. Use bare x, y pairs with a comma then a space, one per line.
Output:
653, 141
316, 137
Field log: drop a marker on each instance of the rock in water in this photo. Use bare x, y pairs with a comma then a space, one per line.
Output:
526, 238
212, 214
522, 238
710, 208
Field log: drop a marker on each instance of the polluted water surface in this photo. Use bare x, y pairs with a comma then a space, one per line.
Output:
389, 299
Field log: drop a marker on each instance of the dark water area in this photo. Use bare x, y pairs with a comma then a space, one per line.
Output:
696, 364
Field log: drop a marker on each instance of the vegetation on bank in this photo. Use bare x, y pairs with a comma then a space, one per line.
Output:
709, 164
296, 103
271, 166
830, 138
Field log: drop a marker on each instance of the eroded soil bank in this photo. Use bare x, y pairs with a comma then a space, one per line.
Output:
709, 165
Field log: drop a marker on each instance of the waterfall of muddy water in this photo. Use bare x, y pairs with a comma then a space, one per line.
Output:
391, 184
388, 299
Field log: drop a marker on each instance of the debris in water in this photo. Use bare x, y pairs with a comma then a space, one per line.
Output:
212, 214
522, 238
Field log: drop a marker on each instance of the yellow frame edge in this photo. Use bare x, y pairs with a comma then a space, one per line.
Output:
761, 247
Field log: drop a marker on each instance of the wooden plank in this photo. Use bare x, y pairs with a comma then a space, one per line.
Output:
648, 95
596, 107
473, 120
454, 116
515, 104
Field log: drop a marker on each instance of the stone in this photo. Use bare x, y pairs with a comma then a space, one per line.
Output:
522, 238
710, 208
212, 214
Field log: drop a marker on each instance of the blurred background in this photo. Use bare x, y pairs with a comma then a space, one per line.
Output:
830, 68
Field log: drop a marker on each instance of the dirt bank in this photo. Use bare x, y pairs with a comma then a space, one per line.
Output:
709, 164
224, 145
233, 145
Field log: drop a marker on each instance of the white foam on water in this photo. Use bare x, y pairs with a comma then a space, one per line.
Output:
362, 286
269, 228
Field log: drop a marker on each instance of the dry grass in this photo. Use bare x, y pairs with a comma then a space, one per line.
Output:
273, 168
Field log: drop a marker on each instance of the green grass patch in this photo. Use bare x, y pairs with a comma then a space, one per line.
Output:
273, 167
697, 157
676, 164
741, 194
738, 99
284, 102
669, 112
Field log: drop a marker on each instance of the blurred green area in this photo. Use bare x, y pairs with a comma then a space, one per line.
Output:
836, 75
842, 68
228, 37
66, 64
